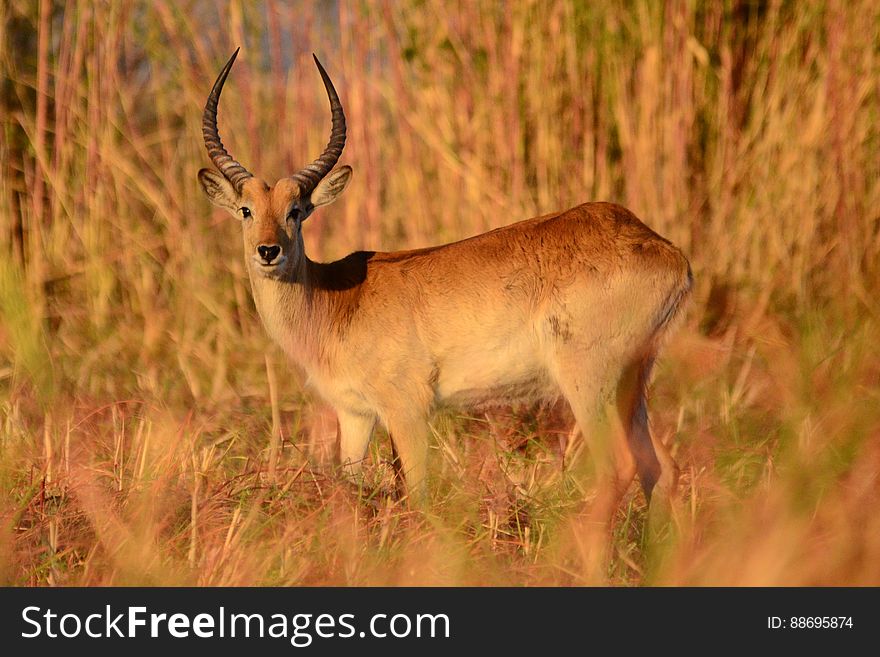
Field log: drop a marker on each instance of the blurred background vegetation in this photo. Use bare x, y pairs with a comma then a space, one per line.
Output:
139, 396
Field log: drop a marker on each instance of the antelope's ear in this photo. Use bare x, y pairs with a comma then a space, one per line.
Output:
219, 190
331, 186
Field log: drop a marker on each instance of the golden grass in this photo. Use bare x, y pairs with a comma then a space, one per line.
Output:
137, 415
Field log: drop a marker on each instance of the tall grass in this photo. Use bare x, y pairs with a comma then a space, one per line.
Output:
150, 432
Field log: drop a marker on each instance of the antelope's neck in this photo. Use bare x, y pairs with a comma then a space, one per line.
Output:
290, 312
310, 311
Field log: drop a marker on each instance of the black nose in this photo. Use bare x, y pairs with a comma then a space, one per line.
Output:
268, 253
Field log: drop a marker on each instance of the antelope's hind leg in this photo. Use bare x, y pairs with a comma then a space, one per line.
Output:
658, 473
611, 461
590, 395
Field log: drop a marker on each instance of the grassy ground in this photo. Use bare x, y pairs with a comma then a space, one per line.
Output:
140, 395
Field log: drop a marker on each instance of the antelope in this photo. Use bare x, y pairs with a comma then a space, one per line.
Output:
573, 304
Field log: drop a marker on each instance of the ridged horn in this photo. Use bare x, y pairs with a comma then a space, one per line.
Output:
309, 176
231, 170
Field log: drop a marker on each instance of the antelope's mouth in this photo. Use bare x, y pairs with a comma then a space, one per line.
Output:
272, 269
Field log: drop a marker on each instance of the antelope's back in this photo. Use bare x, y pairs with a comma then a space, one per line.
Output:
520, 268
498, 308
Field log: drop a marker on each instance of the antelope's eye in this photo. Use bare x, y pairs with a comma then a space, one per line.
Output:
245, 212
293, 214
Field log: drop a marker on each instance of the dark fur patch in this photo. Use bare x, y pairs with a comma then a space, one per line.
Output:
559, 329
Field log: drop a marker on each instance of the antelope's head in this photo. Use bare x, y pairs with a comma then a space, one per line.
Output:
272, 216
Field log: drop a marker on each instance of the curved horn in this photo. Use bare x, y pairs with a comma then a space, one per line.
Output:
231, 170
309, 176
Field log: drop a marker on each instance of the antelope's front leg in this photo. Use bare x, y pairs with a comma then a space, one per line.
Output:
355, 431
409, 437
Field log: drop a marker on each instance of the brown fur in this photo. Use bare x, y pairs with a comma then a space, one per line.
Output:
571, 304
